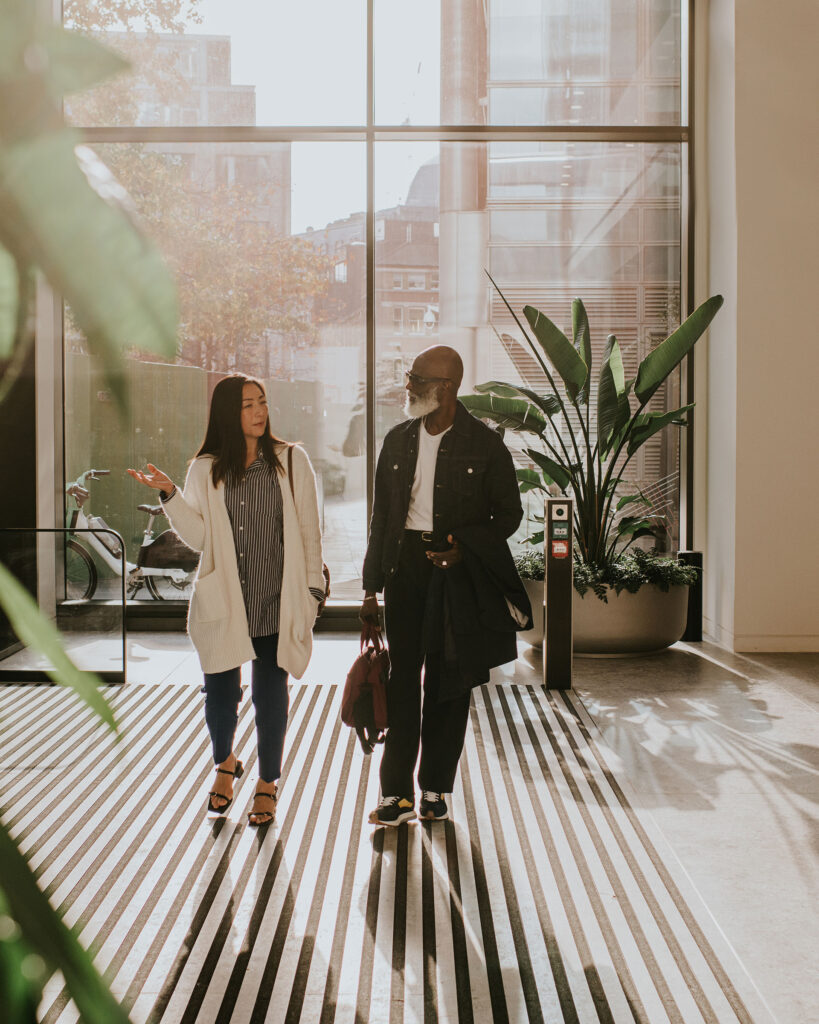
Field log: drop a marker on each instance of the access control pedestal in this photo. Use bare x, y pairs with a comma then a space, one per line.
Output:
557, 627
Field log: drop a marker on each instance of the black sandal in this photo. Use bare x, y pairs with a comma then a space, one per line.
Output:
237, 773
274, 796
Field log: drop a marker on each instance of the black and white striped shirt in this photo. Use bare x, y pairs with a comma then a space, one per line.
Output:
255, 509
254, 506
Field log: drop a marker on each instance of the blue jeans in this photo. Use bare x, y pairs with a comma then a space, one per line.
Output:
270, 702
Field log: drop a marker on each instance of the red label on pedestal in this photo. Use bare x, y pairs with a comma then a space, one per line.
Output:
560, 549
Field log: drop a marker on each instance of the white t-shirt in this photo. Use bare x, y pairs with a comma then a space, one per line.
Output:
419, 514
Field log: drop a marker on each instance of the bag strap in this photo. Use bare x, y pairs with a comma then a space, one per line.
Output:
290, 448
371, 635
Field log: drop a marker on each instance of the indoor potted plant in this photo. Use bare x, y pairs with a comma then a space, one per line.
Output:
585, 453
645, 597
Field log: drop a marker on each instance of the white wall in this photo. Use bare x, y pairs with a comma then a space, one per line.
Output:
717, 230
759, 229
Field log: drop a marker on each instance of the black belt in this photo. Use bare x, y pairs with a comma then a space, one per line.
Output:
424, 535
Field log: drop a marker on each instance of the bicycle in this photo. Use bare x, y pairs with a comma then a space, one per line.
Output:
165, 565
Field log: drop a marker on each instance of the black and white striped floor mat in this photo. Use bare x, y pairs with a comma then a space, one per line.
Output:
547, 898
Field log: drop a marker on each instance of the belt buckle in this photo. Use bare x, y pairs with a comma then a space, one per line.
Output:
426, 535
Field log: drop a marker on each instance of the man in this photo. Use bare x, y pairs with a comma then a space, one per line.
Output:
446, 499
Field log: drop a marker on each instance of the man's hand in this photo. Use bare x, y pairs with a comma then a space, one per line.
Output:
153, 477
369, 614
446, 559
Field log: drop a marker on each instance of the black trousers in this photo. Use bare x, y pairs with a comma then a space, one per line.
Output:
439, 728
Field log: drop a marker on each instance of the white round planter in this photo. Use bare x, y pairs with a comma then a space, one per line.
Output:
535, 590
628, 624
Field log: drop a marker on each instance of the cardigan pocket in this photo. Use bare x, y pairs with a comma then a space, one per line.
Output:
209, 598
303, 625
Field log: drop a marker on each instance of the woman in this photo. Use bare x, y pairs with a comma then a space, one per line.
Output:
260, 576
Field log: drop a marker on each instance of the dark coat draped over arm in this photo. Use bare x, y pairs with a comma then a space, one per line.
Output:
468, 619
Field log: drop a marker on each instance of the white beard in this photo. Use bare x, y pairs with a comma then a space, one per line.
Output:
416, 406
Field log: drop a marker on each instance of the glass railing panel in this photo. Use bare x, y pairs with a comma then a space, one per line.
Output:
57, 569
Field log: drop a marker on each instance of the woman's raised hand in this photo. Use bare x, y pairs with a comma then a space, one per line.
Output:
153, 477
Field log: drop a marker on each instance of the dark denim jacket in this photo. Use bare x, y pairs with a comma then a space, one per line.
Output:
475, 484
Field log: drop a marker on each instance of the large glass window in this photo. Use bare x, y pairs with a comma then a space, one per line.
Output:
212, 62
550, 221
260, 293
264, 219
527, 62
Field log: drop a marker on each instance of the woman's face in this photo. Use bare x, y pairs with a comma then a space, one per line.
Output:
254, 411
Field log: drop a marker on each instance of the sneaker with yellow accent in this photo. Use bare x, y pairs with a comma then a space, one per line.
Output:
393, 810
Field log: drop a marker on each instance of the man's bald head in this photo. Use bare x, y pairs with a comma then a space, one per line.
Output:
440, 361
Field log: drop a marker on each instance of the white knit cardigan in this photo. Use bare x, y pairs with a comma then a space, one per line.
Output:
217, 620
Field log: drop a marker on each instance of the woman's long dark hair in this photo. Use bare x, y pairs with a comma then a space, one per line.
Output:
224, 439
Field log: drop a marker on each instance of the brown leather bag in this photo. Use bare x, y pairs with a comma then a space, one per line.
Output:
364, 701
324, 567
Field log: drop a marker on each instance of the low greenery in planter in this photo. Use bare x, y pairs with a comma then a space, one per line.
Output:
586, 454
628, 572
531, 565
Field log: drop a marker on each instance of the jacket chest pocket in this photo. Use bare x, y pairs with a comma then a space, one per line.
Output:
397, 479
467, 475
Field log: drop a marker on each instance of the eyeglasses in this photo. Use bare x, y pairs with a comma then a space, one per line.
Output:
420, 382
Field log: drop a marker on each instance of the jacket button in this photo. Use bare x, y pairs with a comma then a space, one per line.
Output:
395, 466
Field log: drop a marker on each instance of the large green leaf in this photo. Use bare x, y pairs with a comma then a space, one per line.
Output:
44, 932
657, 532
529, 480
562, 354
630, 499
71, 218
658, 364
613, 409
629, 523
648, 526
18, 19
618, 436
547, 403
76, 62
507, 412
36, 632
581, 336
9, 299
648, 424
20, 993
32, 45
552, 471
